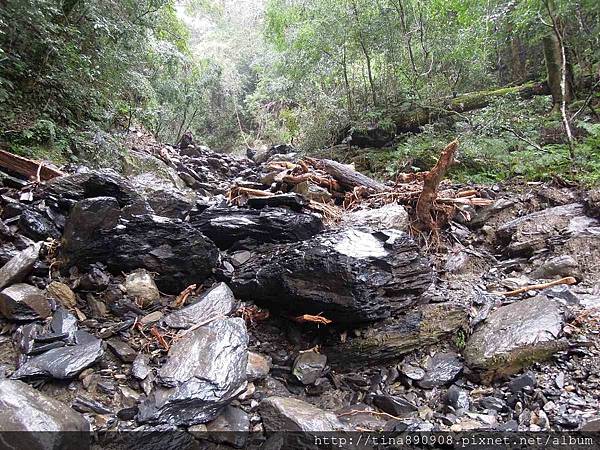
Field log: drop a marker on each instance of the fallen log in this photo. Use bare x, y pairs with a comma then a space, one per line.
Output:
346, 177
31, 169
389, 340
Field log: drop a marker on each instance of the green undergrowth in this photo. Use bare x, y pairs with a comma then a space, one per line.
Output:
509, 139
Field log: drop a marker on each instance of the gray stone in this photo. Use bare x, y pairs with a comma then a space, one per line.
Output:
140, 287
140, 368
458, 398
521, 382
529, 233
515, 336
492, 403
230, 427
412, 372
396, 406
64, 362
558, 266
217, 301
122, 350
309, 366
22, 302
441, 369
388, 216
290, 414
205, 370
258, 366
19, 266
27, 412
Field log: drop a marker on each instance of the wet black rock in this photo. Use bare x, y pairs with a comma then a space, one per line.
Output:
441, 369
515, 336
37, 226
290, 414
217, 301
95, 279
348, 276
67, 190
64, 323
19, 266
205, 370
521, 382
394, 405
228, 226
309, 366
96, 232
123, 351
23, 302
26, 411
65, 362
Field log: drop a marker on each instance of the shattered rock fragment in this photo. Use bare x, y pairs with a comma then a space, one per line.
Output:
217, 301
258, 367
18, 267
64, 362
22, 302
62, 293
205, 370
309, 366
290, 414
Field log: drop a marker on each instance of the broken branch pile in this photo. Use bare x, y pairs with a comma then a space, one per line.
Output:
330, 188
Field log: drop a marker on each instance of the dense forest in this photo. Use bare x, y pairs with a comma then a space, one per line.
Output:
405, 75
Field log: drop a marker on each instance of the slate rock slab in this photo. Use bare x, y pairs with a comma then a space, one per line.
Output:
348, 276
64, 362
290, 414
217, 301
527, 234
23, 302
205, 370
441, 369
26, 409
19, 266
515, 336
227, 226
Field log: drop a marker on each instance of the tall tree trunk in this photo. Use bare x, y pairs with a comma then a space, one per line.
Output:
553, 57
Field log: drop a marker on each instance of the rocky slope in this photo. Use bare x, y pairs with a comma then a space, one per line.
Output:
137, 304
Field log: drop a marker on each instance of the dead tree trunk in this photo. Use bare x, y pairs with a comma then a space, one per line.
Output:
553, 57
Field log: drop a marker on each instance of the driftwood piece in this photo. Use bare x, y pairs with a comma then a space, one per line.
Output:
539, 287
346, 176
29, 168
430, 185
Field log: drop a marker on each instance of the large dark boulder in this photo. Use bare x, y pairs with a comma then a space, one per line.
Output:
348, 276
99, 231
227, 226
67, 190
